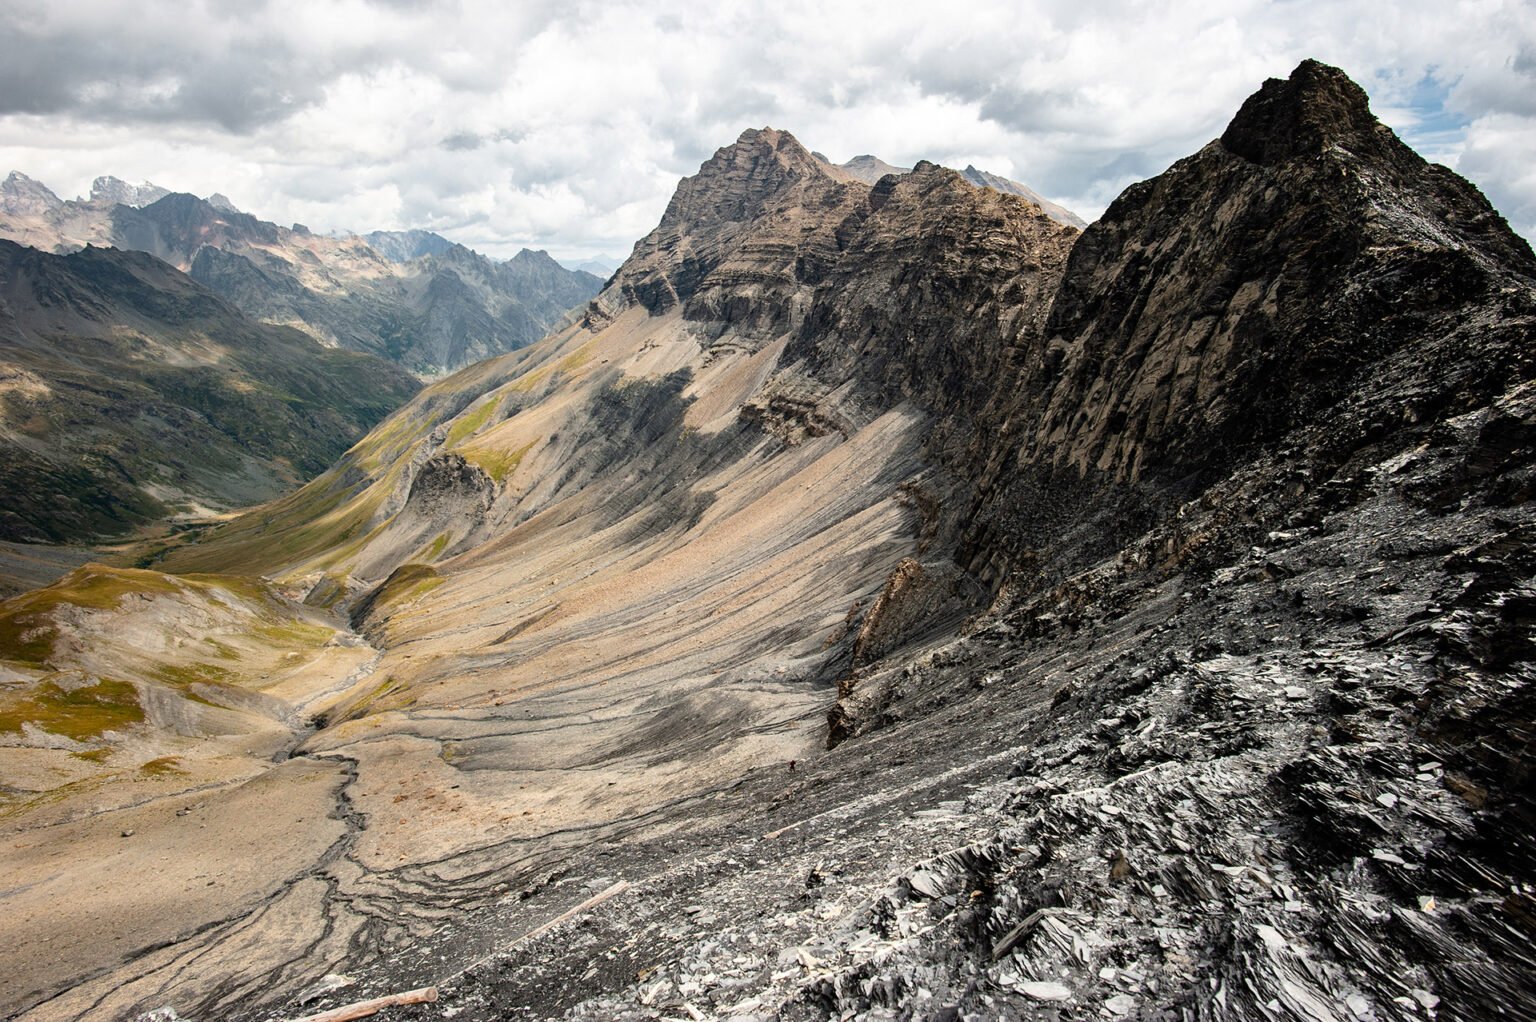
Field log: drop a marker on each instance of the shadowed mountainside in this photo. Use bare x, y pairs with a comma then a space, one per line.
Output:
128, 392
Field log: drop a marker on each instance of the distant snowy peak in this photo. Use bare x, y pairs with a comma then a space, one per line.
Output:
108, 189
870, 169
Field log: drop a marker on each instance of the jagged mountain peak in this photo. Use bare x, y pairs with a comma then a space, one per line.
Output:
754, 204
871, 169
21, 195
1313, 108
533, 257
403, 246
734, 183
109, 189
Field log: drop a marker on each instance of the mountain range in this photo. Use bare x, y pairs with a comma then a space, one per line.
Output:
870, 169
419, 300
882, 600
128, 393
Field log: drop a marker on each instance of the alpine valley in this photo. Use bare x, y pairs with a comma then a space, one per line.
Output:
410, 296
883, 599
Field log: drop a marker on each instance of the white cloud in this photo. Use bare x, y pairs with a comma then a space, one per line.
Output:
566, 126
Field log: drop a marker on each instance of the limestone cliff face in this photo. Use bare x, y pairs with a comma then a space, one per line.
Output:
742, 240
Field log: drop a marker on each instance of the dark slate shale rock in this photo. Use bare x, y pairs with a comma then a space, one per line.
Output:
1307, 257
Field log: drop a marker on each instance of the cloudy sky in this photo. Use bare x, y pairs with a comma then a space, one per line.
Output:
565, 125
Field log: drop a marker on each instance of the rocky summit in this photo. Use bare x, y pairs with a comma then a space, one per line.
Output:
882, 601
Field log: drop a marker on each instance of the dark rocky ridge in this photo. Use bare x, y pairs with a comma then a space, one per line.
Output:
1226, 303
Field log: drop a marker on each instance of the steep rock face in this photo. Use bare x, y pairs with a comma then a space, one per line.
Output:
741, 239
22, 196
1238, 297
938, 284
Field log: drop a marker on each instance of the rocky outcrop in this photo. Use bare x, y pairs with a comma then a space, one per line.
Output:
742, 240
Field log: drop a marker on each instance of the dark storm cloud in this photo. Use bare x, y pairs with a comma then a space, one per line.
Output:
187, 78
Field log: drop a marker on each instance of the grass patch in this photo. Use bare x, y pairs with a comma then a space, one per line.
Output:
569, 364
471, 422
187, 675
162, 766
309, 522
28, 633
388, 441
93, 755
388, 694
223, 650
406, 583
295, 633
83, 714
439, 544
498, 464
